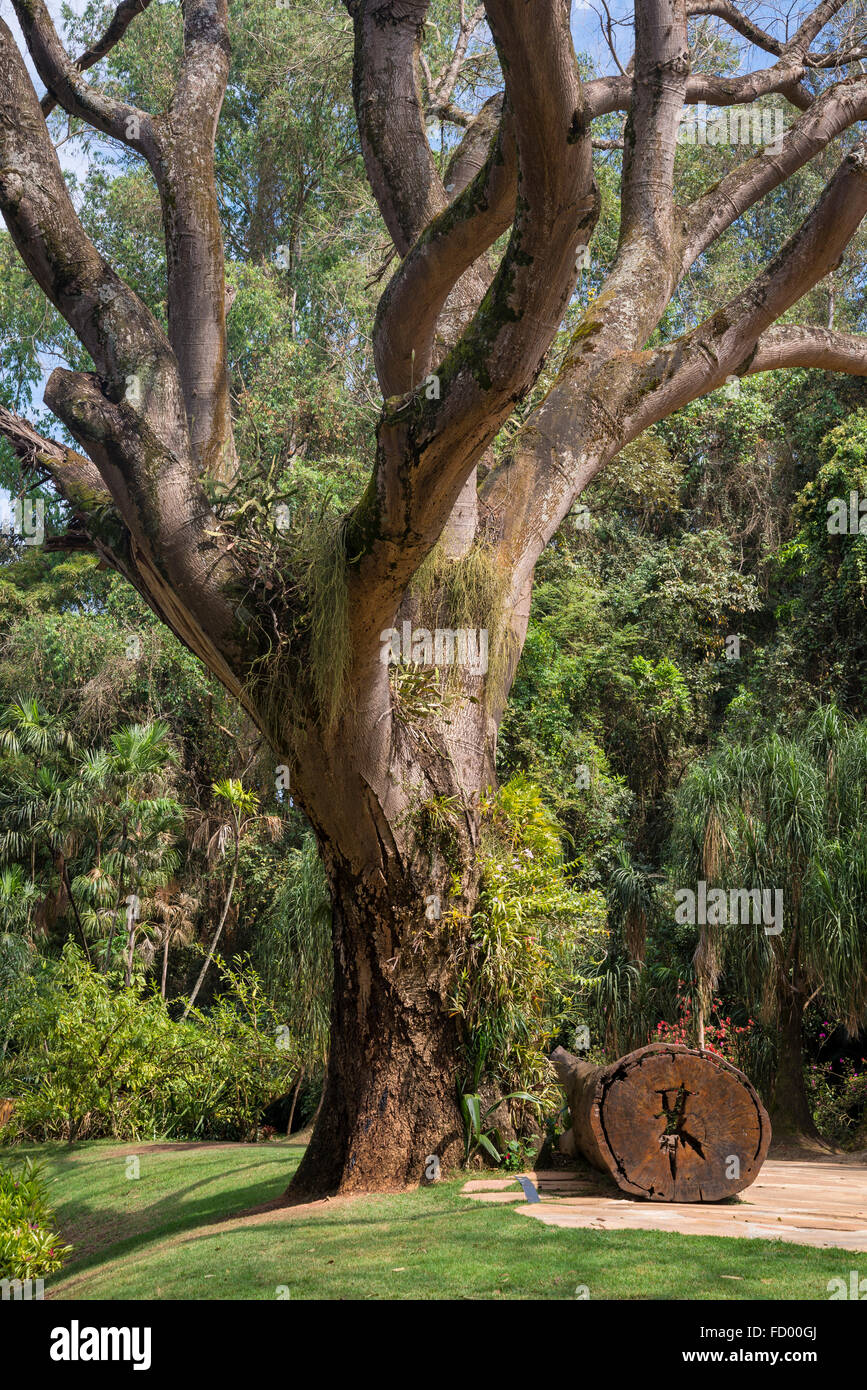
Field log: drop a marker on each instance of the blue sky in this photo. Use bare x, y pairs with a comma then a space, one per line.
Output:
589, 39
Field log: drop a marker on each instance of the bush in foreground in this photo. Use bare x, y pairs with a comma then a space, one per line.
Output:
30, 1247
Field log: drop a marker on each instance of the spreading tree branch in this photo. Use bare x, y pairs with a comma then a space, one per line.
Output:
428, 447
129, 415
122, 18
725, 344
410, 309
833, 112
397, 156
608, 392
472, 153
76, 476
724, 9
195, 268
792, 345
179, 147
659, 82
68, 88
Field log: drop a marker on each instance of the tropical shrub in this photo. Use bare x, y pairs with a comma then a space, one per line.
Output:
839, 1102
30, 1247
89, 1060
726, 1038
530, 944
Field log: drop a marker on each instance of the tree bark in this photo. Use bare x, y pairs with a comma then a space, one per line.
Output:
111, 935
790, 1108
669, 1123
390, 1096
295, 1091
130, 949
74, 907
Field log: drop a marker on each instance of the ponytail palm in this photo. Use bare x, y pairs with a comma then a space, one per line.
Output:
702, 851
297, 948
793, 819
631, 900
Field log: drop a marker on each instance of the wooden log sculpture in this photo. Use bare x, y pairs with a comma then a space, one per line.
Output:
668, 1123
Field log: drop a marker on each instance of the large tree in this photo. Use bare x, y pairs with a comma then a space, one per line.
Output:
391, 782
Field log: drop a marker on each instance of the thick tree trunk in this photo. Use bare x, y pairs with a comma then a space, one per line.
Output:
390, 1089
395, 807
790, 1108
668, 1123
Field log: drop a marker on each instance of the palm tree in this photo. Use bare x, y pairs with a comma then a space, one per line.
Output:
39, 797
16, 897
296, 947
614, 983
140, 825
631, 901
55, 801
26, 728
16, 946
783, 834
701, 852
139, 854
243, 813
29, 732
173, 924
791, 813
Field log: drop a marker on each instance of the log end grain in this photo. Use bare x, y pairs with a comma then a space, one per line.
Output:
670, 1123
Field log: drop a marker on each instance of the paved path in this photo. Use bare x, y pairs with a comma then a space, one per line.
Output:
809, 1203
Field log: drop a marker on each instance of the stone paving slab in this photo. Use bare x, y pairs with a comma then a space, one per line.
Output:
806, 1203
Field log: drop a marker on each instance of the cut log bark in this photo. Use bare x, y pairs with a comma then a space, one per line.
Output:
669, 1123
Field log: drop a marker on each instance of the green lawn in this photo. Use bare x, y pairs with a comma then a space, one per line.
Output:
176, 1232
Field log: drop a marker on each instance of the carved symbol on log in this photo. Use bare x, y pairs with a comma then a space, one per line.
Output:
674, 1132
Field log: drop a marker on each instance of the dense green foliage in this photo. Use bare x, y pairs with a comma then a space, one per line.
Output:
85, 1059
30, 1247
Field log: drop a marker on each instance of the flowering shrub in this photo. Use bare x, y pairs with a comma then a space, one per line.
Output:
29, 1246
839, 1101
728, 1040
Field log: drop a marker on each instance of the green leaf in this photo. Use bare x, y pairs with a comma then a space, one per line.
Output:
485, 1143
471, 1106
